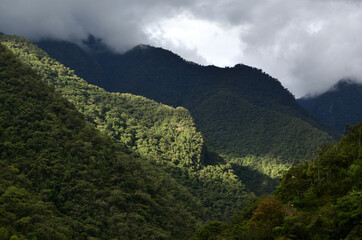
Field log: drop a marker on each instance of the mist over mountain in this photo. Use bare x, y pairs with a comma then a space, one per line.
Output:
295, 41
339, 106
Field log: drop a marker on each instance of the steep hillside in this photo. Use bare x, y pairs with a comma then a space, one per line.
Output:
319, 199
60, 178
242, 112
339, 106
165, 135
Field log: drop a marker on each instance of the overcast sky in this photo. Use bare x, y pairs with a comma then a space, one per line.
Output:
307, 44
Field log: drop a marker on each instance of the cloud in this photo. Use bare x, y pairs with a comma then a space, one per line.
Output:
119, 22
188, 36
307, 44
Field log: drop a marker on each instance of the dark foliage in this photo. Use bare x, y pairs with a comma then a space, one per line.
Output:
320, 199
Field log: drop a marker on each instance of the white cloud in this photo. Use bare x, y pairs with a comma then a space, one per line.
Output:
216, 45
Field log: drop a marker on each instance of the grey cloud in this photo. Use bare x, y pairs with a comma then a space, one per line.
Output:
119, 22
307, 44
305, 58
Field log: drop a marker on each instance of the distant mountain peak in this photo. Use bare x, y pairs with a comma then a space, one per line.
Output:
344, 83
341, 84
143, 47
95, 45
338, 106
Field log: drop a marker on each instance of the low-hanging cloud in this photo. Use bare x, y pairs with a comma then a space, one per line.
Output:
307, 44
118, 22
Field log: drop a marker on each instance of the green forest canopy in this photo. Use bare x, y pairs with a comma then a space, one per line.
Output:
318, 199
245, 115
60, 178
155, 131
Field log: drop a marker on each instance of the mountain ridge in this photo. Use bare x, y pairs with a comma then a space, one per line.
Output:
60, 178
167, 78
155, 131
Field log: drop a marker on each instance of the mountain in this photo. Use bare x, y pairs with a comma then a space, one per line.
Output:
339, 106
78, 162
60, 178
245, 115
162, 134
319, 199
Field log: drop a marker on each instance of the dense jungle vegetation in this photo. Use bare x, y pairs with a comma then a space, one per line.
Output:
60, 178
318, 199
157, 132
242, 112
77, 162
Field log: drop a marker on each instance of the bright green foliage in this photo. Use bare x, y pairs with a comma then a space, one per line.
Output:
320, 199
242, 112
155, 131
60, 178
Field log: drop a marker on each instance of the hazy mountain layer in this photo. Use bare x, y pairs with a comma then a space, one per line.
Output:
339, 106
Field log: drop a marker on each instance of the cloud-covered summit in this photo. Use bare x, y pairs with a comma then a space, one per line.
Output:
307, 44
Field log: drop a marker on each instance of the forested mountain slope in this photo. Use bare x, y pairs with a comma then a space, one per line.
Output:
243, 113
60, 178
319, 199
160, 133
339, 106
